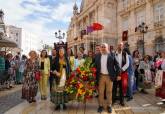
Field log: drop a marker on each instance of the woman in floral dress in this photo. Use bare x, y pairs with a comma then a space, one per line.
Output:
30, 85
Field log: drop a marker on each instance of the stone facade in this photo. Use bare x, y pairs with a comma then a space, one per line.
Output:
118, 16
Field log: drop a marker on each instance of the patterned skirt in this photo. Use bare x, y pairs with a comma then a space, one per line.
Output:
30, 87
59, 97
58, 94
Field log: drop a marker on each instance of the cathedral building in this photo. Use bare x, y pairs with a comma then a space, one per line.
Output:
122, 21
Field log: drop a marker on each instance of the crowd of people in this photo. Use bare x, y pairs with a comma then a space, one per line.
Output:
11, 69
115, 70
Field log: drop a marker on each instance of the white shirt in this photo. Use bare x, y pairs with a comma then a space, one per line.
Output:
119, 59
104, 69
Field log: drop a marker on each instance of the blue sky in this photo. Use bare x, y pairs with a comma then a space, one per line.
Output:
39, 17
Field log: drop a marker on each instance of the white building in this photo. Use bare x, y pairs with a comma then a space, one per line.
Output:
30, 42
118, 16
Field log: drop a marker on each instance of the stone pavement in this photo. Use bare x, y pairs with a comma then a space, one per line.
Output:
142, 104
10, 98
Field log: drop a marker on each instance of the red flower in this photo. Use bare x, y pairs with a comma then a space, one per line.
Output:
93, 70
78, 70
85, 78
94, 75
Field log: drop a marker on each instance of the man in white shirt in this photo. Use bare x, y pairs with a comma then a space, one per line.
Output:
123, 60
107, 69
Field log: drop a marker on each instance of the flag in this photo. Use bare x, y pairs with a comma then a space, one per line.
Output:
97, 26
89, 29
125, 35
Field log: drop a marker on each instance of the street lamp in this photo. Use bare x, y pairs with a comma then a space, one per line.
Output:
59, 36
142, 28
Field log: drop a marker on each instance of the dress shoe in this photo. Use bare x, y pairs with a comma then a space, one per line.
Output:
57, 107
122, 103
100, 109
129, 98
109, 109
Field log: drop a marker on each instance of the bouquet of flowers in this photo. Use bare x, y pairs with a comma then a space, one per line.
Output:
81, 84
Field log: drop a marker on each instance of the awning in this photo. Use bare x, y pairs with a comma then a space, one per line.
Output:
5, 42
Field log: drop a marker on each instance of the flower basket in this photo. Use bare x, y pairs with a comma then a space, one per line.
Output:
81, 84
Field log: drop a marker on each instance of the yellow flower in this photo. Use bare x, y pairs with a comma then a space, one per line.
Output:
81, 85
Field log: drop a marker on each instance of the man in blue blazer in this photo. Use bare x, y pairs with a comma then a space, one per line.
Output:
107, 70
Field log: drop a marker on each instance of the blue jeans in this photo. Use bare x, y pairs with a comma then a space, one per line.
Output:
130, 85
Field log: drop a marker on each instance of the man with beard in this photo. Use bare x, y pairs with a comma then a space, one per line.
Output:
123, 60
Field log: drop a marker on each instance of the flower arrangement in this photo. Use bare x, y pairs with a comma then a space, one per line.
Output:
81, 83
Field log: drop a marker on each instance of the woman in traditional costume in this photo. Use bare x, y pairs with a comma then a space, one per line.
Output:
61, 72
30, 85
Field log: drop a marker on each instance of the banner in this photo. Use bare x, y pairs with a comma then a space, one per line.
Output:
125, 35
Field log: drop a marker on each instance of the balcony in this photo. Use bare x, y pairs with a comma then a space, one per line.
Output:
159, 24
124, 9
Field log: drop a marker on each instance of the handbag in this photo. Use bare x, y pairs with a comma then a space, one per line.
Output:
37, 75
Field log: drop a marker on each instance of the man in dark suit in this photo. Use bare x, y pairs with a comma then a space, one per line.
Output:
107, 70
53, 58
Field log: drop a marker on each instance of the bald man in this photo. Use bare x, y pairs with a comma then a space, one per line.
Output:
107, 70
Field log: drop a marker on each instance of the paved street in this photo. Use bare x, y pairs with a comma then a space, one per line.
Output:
9, 99
142, 104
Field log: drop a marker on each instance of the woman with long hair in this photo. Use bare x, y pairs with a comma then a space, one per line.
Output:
45, 72
71, 58
62, 71
30, 85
